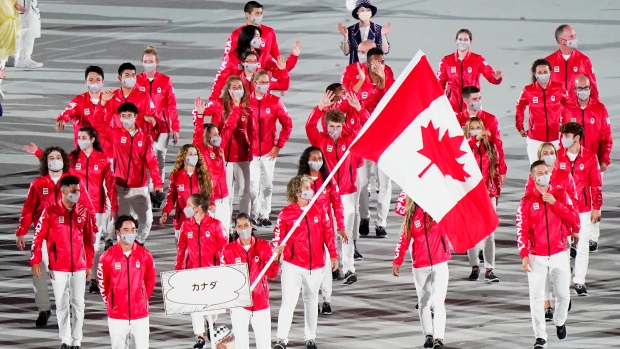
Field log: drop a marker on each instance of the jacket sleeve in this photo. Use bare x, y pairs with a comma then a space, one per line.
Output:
199, 122
99, 122
40, 235
28, 211
281, 79
231, 124
90, 229
110, 184
181, 249
280, 231
172, 112
150, 275
370, 104
85, 200
152, 165
103, 277
347, 80
275, 49
401, 247
595, 184
604, 150
567, 212
523, 228
328, 234
221, 237
336, 201
171, 198
522, 102
487, 71
286, 122
266, 252
291, 62
442, 75
71, 112
401, 204
589, 71
220, 79
314, 136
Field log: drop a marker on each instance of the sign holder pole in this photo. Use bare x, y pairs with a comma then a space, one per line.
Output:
210, 318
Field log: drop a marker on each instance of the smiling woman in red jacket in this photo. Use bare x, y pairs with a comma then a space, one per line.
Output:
431, 252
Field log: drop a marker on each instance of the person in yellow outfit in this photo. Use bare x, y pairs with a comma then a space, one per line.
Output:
10, 26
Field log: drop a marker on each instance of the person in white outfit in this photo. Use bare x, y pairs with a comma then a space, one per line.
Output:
31, 30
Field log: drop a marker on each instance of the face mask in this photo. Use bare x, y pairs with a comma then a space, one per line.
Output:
73, 197
191, 160
84, 143
245, 233
307, 194
549, 159
55, 165
583, 95
571, 43
543, 78
256, 19
128, 238
237, 93
475, 133
463, 45
256, 42
334, 133
215, 141
262, 88
188, 212
128, 123
315, 165
543, 180
475, 105
129, 82
251, 67
95, 88
364, 16
149, 67
362, 57
567, 142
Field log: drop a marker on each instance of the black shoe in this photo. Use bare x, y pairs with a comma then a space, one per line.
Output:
581, 290
265, 222
255, 223
364, 229
280, 345
481, 256
573, 251
93, 287
327, 309
549, 314
380, 231
570, 304
428, 343
336, 275
310, 344
200, 343
475, 274
593, 246
561, 331
76, 347
357, 255
489, 276
350, 278
438, 344
43, 317
64, 346
540, 343
108, 244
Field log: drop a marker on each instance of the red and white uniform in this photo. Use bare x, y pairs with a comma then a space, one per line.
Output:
545, 106
492, 125
479, 150
594, 118
565, 71
69, 235
560, 180
267, 111
182, 186
587, 177
350, 78
268, 38
200, 245
330, 198
80, 111
137, 96
400, 208
161, 93
214, 159
454, 74
97, 175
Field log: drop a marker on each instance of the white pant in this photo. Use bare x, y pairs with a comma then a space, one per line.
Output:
361, 191
261, 325
105, 227
384, 197
222, 212
293, 280
261, 185
125, 334
558, 267
136, 200
487, 246
327, 282
198, 322
348, 250
532, 148
31, 29
431, 285
583, 249
238, 173
595, 233
69, 295
41, 293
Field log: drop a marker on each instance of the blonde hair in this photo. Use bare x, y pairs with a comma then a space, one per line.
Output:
487, 145
204, 179
293, 188
542, 146
150, 50
258, 74
411, 207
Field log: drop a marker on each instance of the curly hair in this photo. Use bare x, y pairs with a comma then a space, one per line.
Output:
204, 179
304, 168
92, 133
66, 164
293, 188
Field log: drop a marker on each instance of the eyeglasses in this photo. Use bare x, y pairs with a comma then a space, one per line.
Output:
581, 89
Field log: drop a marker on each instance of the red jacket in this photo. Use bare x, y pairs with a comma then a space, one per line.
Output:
454, 74
560, 180
306, 247
566, 71
43, 193
542, 228
80, 110
400, 208
200, 245
140, 98
596, 124
493, 184
214, 159
490, 123
181, 187
330, 199
267, 111
256, 257
587, 176
350, 78
545, 107
133, 155
126, 283
268, 37
70, 236
161, 92
430, 242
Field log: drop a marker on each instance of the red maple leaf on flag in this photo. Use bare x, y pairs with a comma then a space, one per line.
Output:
443, 152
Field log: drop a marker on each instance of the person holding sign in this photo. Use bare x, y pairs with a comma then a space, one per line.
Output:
303, 258
201, 240
256, 253
126, 275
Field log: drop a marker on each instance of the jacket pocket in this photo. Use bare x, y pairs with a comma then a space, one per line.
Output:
292, 252
443, 243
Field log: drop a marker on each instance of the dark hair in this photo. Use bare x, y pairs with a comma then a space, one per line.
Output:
375, 51
466, 31
67, 181
122, 219
250, 6
559, 31
66, 164
540, 61
536, 164
202, 199
92, 133
126, 66
93, 69
573, 128
468, 90
333, 87
246, 54
127, 107
334, 115
245, 37
304, 168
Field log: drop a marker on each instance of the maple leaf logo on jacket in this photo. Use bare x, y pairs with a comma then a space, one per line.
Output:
446, 163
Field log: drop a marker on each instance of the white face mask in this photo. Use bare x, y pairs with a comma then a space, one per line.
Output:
73, 197
127, 238
256, 19
129, 82
128, 123
571, 43
251, 67
215, 141
95, 88
55, 165
191, 160
362, 57
237, 93
188, 212
475, 105
543, 78
567, 142
256, 42
543, 180
149, 67
307, 194
315, 165
84, 143
463, 45
475, 133
262, 89
365, 16
583, 95
549, 159
245, 233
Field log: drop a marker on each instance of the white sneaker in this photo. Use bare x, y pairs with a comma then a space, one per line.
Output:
27, 64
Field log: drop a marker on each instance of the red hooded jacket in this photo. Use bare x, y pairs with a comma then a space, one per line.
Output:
490, 123
330, 198
182, 186
268, 37
80, 111
587, 176
545, 106
565, 71
594, 118
214, 159
267, 111
200, 245
161, 92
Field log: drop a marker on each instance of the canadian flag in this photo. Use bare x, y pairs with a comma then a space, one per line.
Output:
415, 138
